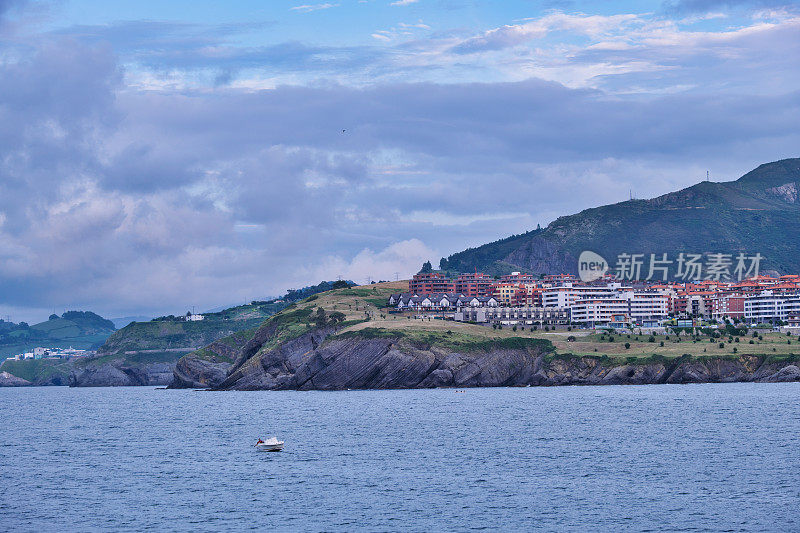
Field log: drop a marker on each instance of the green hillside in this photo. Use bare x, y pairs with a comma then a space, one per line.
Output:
80, 329
758, 213
173, 335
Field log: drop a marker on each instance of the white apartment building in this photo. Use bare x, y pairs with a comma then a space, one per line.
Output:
600, 303
648, 305
598, 311
566, 295
768, 306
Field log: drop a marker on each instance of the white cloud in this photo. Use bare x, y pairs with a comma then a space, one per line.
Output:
404, 2
402, 259
307, 8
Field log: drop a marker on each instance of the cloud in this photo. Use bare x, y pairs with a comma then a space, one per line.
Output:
395, 260
512, 35
159, 54
121, 200
625, 53
404, 2
308, 8
127, 199
704, 6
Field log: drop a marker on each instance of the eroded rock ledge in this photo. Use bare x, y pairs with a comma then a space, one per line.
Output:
322, 360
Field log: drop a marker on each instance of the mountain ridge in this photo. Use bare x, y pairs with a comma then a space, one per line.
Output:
757, 213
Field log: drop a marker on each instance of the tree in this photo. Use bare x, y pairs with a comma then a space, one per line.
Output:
627, 345
320, 318
53, 317
340, 284
336, 317
426, 267
442, 264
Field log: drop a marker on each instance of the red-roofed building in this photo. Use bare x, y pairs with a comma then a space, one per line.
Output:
430, 283
518, 277
473, 284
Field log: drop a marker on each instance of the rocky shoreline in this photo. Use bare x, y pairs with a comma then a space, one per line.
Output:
320, 361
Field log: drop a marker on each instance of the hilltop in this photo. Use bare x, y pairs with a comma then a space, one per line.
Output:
346, 338
80, 329
758, 213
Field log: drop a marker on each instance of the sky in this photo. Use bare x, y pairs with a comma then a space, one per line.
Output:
158, 156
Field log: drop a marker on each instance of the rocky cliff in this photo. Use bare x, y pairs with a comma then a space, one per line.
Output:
120, 374
373, 359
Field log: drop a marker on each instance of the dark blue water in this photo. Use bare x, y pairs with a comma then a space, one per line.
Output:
701, 457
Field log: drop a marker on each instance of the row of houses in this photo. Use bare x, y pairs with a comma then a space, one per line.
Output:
438, 302
758, 299
529, 315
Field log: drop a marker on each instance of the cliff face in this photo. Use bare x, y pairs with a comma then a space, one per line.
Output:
321, 360
120, 374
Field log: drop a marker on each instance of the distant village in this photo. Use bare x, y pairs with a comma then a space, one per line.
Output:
51, 353
607, 302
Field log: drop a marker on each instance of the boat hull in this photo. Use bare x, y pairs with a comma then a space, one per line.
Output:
269, 447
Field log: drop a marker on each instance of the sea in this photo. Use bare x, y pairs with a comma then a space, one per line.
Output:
712, 457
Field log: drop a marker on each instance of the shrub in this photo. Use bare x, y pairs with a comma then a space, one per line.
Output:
661, 343
627, 345
514, 328
735, 350
736, 339
651, 339
571, 338
752, 341
722, 345
611, 339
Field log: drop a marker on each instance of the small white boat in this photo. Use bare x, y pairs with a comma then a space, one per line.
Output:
270, 445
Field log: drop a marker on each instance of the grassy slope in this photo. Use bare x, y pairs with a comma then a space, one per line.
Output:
37, 369
164, 335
